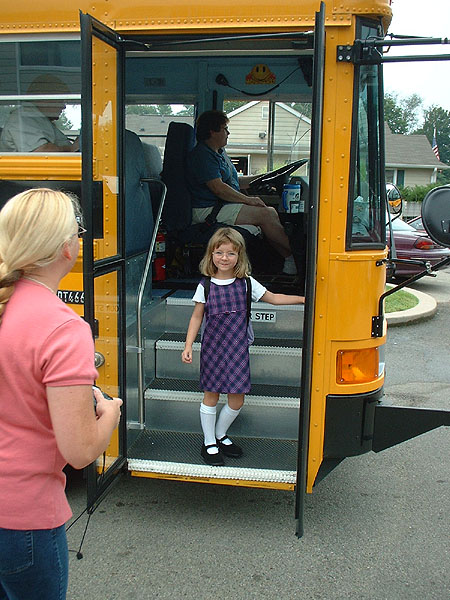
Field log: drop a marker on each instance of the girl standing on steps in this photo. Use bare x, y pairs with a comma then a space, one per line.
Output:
224, 357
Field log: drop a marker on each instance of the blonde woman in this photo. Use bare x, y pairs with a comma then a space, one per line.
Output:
47, 370
224, 358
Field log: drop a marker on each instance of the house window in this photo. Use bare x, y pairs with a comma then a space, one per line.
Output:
390, 174
400, 177
264, 113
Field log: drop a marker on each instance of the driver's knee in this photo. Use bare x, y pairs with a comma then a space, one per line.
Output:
258, 215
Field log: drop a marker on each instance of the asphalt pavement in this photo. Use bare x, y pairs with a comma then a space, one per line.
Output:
376, 528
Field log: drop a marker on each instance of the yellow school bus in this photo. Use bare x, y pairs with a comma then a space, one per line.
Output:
301, 83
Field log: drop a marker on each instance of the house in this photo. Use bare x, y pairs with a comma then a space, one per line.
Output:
250, 137
409, 160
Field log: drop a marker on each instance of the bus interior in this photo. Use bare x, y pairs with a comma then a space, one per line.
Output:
270, 132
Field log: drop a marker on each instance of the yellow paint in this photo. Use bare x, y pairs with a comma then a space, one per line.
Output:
106, 312
41, 167
235, 482
104, 82
342, 320
181, 16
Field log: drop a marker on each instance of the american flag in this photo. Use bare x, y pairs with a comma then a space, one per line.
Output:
434, 145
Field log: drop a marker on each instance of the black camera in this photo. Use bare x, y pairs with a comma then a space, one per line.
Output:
105, 395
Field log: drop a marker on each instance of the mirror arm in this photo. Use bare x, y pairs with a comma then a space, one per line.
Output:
377, 321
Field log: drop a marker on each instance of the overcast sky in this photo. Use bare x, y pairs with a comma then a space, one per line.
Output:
430, 80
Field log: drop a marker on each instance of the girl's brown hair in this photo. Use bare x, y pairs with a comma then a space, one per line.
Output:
226, 235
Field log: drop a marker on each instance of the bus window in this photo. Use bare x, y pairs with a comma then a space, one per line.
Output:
365, 210
40, 96
151, 121
266, 135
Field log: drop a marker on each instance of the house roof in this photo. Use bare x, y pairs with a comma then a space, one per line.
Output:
412, 151
280, 104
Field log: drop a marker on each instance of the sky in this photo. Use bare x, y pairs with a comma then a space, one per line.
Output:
430, 80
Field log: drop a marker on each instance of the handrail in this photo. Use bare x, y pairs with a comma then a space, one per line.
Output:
140, 296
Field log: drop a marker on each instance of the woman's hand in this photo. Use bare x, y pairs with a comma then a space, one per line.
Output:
107, 407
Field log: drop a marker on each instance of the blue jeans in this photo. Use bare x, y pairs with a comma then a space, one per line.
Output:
34, 564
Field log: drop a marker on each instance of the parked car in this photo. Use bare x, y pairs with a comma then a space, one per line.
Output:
417, 223
413, 244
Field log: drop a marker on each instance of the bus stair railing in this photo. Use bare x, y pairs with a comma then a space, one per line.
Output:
140, 297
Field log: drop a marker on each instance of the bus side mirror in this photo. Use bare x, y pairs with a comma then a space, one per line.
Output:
436, 215
394, 199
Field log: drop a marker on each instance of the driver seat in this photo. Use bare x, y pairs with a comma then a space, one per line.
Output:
177, 213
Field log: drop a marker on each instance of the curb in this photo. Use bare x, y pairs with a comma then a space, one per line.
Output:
425, 309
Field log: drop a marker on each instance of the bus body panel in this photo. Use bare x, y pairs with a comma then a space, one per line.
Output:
184, 17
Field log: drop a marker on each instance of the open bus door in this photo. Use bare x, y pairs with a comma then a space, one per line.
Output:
311, 260
103, 246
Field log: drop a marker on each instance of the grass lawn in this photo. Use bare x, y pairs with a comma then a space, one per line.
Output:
400, 300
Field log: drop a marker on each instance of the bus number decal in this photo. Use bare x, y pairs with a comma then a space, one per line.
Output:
71, 296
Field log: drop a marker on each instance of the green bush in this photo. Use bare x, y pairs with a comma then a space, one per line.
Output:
416, 193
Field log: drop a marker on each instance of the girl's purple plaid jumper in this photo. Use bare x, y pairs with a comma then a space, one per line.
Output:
224, 358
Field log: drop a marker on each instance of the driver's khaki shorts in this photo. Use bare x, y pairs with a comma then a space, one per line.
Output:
227, 214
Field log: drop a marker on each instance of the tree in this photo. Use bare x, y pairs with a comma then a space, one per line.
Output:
304, 108
187, 111
402, 114
149, 109
230, 105
439, 118
63, 122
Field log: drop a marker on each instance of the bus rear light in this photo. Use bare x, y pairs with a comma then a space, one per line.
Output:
357, 366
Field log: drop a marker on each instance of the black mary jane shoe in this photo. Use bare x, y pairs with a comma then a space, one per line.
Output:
213, 460
231, 450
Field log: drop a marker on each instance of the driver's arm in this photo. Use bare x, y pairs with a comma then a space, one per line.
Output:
226, 193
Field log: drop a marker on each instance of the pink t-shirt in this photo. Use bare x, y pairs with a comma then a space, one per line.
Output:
42, 343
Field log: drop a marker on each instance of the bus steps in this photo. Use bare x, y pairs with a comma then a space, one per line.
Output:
168, 446
283, 322
177, 454
268, 356
272, 411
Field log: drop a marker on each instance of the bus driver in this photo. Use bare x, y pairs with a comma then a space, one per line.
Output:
213, 178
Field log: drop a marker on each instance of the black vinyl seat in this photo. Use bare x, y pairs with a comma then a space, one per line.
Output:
177, 214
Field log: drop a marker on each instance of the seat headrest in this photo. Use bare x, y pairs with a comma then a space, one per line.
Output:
153, 160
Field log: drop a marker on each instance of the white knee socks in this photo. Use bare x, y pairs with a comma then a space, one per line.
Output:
211, 431
208, 421
226, 417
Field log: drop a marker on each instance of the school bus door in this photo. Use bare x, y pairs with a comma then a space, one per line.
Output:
305, 441
103, 246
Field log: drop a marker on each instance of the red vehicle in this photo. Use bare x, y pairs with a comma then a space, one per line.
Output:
417, 223
414, 244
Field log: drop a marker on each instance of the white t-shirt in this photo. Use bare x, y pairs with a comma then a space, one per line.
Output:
27, 128
258, 290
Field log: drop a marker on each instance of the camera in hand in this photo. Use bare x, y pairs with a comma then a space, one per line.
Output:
105, 395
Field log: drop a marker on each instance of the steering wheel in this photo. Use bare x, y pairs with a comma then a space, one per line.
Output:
274, 179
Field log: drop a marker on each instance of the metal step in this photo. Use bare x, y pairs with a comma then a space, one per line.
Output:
177, 456
268, 320
272, 361
269, 411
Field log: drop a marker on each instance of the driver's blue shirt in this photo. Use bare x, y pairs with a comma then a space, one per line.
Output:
203, 165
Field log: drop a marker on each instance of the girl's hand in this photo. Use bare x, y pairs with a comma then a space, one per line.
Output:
186, 355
